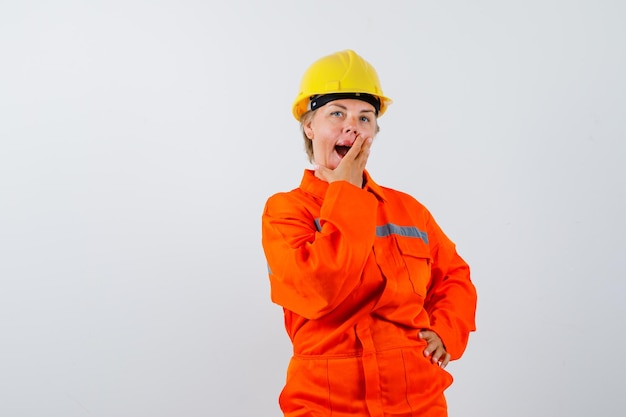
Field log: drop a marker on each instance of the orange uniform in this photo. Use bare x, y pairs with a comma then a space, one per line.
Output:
359, 272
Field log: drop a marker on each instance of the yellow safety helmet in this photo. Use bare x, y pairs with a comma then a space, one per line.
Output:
343, 74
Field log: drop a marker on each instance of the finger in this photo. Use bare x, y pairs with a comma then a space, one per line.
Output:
445, 361
365, 151
435, 346
430, 349
426, 335
423, 335
367, 144
438, 354
432, 341
355, 149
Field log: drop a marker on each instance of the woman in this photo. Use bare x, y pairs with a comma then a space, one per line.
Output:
375, 297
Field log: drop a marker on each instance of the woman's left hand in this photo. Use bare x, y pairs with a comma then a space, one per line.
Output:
435, 348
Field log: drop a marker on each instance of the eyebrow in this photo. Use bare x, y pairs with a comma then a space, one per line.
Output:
345, 108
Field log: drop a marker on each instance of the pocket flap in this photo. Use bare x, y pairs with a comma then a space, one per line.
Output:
416, 248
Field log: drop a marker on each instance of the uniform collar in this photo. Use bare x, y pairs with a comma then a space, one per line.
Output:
313, 185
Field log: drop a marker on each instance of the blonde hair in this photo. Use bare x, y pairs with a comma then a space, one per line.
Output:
308, 143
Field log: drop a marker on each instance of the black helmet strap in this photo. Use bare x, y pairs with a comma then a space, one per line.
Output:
319, 100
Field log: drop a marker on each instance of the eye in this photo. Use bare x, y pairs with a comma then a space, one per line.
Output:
337, 113
365, 119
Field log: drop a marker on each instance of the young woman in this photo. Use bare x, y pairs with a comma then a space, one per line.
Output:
376, 299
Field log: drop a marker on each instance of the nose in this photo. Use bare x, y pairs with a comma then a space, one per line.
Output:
350, 125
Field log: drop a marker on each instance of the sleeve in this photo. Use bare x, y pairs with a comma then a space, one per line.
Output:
451, 298
312, 271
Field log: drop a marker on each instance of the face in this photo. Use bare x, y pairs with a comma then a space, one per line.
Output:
335, 126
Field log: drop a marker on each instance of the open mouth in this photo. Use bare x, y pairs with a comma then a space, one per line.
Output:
342, 150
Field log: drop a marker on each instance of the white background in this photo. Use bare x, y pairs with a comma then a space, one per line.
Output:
139, 141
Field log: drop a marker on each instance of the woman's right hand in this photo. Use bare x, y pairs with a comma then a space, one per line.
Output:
352, 165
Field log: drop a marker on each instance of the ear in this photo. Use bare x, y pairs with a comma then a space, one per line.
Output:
308, 130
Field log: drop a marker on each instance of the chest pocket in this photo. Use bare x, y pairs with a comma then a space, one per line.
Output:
416, 257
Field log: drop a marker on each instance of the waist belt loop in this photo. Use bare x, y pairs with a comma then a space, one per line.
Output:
373, 395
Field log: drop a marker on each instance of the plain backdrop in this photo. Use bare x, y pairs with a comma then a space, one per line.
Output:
139, 141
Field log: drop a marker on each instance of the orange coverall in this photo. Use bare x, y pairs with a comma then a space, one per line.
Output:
359, 272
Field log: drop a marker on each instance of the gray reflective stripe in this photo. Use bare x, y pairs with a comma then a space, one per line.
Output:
269, 270
391, 229
407, 231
